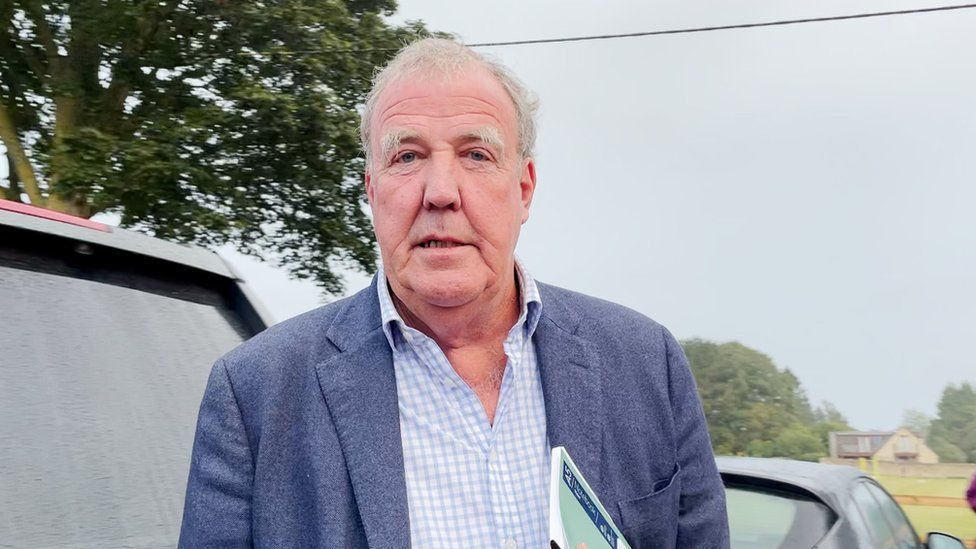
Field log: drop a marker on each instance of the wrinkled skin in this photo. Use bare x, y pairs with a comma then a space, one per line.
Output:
445, 181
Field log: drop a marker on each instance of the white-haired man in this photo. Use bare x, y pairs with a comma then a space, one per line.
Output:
422, 410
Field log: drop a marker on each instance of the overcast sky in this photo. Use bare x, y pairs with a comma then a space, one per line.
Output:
806, 190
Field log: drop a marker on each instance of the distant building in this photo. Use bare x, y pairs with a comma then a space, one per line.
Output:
897, 446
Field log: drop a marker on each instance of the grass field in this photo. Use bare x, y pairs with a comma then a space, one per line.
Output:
960, 522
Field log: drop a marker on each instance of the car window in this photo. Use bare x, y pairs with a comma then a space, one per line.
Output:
875, 517
904, 534
855, 518
765, 519
99, 390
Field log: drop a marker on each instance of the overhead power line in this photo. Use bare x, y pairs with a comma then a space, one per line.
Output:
666, 31
724, 27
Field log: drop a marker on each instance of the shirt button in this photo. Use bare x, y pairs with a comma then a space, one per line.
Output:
510, 544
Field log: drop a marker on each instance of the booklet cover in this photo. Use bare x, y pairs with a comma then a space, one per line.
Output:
575, 514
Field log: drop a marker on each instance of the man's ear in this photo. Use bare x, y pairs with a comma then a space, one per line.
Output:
368, 180
527, 186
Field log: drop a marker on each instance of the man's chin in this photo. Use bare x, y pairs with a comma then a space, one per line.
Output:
448, 297
448, 290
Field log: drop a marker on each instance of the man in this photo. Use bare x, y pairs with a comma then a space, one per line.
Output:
422, 410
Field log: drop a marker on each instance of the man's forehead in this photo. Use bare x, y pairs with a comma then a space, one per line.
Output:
440, 106
473, 91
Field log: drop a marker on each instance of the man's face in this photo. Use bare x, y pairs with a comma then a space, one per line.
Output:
447, 186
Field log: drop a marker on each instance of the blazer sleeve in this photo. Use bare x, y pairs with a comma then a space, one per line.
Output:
217, 509
702, 517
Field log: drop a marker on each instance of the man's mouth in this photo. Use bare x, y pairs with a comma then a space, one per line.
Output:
440, 244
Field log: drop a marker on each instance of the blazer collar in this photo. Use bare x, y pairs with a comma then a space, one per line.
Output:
353, 324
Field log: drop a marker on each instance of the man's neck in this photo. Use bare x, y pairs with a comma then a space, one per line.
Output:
479, 323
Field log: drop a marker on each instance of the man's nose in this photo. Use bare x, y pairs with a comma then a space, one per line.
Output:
441, 190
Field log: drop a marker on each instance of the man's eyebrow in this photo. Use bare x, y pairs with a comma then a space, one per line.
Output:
391, 140
488, 135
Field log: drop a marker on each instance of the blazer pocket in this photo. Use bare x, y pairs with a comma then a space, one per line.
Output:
652, 520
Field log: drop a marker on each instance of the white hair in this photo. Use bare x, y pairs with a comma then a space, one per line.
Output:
447, 58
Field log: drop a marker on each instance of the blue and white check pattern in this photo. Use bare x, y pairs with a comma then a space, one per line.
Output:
472, 484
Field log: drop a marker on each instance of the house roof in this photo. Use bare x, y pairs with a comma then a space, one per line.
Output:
865, 433
851, 442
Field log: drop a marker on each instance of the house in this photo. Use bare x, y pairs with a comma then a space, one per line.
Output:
897, 446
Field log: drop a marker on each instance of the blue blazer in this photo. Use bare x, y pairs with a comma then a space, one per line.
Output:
298, 438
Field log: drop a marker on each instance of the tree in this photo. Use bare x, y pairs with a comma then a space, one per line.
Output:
953, 432
917, 422
753, 407
799, 442
204, 121
828, 413
828, 419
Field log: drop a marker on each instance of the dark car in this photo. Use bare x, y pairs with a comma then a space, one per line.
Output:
781, 503
106, 341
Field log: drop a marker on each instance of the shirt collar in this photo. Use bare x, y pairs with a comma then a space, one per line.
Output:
531, 305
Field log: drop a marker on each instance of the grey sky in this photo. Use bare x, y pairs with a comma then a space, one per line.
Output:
806, 190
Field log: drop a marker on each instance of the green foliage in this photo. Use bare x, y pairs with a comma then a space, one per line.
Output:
754, 408
953, 434
947, 451
828, 413
800, 442
204, 121
917, 422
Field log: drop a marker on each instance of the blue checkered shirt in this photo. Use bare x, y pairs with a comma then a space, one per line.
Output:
471, 483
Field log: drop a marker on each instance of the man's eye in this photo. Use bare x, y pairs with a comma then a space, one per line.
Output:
406, 157
477, 155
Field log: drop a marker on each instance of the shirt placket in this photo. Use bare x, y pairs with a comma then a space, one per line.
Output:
504, 493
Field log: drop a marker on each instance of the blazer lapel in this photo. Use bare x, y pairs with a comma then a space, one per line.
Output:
571, 385
359, 386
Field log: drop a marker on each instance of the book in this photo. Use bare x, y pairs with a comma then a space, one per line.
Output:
576, 516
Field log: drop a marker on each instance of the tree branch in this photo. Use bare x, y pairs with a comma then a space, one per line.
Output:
41, 26
13, 50
18, 86
83, 45
34, 60
119, 88
19, 161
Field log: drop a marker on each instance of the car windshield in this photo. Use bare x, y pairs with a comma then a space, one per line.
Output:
766, 519
99, 390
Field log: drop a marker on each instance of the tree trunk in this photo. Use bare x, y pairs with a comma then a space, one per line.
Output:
69, 205
65, 114
19, 162
14, 190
